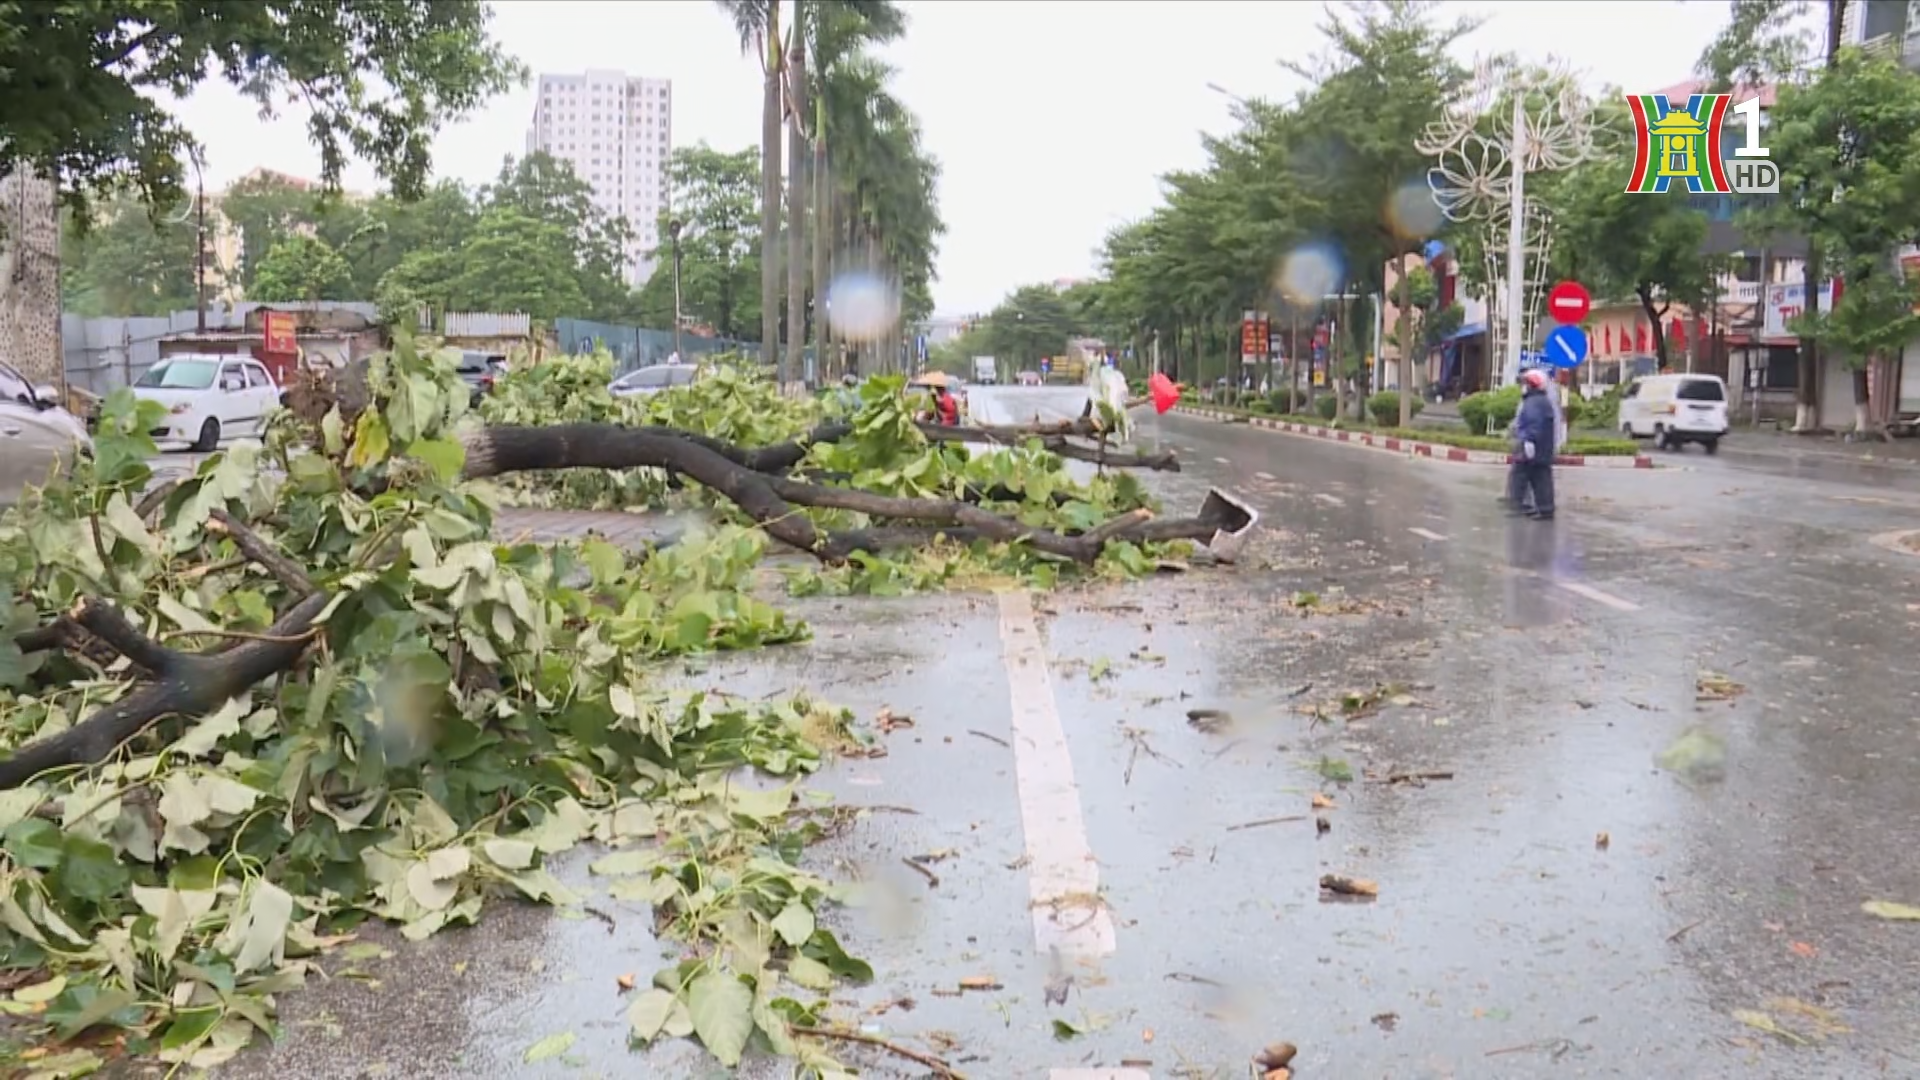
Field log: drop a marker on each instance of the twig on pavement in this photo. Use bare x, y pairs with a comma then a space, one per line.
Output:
933, 880
940, 1068
1266, 821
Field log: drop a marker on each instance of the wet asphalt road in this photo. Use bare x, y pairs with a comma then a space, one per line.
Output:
1385, 622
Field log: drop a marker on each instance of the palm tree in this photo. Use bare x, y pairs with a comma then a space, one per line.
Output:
845, 84
758, 23
797, 193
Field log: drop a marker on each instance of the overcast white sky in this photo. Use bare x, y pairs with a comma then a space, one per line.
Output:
1053, 119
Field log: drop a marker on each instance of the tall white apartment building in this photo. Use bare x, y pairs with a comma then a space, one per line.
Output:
617, 132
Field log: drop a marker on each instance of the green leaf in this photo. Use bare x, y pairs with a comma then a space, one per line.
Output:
510, 854
84, 1004
550, 1047
333, 434
810, 973
626, 863
794, 924
206, 733
90, 871
120, 520
649, 1012
1888, 909
370, 443
722, 1009
259, 934
34, 842
446, 457
824, 947
42, 992
760, 805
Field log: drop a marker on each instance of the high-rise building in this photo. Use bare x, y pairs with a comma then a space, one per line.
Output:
617, 133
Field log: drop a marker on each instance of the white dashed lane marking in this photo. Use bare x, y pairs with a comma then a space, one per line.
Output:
1062, 877
1330, 500
1264, 476
1425, 534
1598, 597
1223, 461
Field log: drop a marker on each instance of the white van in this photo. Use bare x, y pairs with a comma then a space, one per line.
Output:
1674, 410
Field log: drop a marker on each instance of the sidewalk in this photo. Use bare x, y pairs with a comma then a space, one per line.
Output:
1780, 445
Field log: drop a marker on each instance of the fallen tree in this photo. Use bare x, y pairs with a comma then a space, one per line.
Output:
340, 681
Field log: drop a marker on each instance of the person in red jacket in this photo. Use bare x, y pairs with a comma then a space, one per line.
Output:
946, 410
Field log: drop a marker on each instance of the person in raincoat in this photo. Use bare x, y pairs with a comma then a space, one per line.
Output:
1517, 498
1535, 428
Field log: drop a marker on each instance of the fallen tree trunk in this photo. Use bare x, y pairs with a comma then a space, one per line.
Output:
770, 499
1055, 437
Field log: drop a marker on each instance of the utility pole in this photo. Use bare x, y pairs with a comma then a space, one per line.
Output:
199, 243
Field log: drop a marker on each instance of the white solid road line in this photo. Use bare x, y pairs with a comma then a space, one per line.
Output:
1426, 534
1331, 500
1063, 879
1598, 597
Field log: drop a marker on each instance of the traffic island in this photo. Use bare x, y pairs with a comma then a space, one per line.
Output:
1401, 445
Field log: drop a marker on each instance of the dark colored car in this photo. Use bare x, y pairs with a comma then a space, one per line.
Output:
479, 371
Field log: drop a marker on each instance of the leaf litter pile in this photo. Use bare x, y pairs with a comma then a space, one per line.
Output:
243, 713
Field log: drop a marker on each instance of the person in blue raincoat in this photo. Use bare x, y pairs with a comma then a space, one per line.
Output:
1517, 497
1535, 430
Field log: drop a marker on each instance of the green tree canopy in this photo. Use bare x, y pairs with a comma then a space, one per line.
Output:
716, 199
83, 83
1855, 131
302, 268
129, 263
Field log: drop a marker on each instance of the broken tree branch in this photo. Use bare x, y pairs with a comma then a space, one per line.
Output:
105, 622
253, 547
184, 684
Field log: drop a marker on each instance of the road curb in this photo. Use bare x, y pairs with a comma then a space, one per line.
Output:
1413, 447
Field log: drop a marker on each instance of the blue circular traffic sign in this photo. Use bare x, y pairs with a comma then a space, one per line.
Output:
1566, 347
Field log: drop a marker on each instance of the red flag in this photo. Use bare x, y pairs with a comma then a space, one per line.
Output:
1607, 337
1679, 334
1640, 343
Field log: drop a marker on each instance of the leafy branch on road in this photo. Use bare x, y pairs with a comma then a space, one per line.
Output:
248, 710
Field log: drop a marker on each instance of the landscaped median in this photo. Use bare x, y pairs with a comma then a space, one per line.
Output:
1439, 445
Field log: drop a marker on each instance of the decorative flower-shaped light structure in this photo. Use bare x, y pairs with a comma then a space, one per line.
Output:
1507, 122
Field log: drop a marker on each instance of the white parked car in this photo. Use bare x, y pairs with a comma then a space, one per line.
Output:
652, 380
208, 398
1674, 410
37, 436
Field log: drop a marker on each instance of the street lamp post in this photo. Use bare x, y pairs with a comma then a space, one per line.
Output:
673, 233
1482, 158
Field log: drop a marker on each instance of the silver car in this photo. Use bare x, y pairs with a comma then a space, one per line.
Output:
652, 380
37, 436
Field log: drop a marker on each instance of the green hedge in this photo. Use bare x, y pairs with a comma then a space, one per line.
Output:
1501, 405
1580, 445
1384, 407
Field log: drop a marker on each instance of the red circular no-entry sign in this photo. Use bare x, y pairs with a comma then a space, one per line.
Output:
1569, 303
